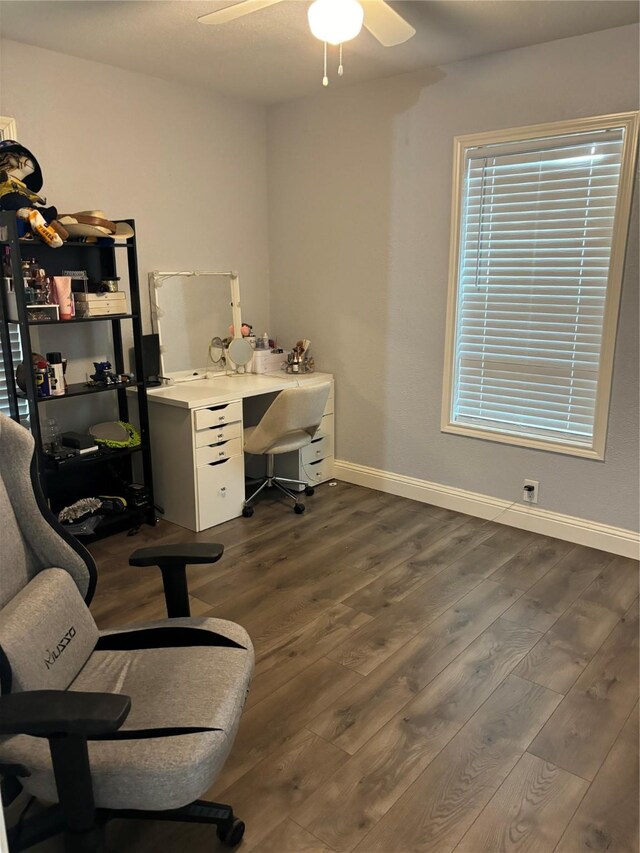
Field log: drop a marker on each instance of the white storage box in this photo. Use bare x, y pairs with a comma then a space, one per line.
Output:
265, 361
34, 312
100, 304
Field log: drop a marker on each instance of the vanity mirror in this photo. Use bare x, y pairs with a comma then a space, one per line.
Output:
190, 310
239, 354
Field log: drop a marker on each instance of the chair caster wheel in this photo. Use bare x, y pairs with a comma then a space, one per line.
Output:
309, 490
231, 835
299, 509
247, 511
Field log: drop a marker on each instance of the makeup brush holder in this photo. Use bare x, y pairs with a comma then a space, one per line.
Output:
295, 364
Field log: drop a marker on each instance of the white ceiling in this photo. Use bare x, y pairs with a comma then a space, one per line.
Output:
270, 56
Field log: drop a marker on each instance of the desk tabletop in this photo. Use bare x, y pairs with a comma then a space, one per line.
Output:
224, 389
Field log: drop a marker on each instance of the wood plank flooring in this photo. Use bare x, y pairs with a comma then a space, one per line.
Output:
425, 681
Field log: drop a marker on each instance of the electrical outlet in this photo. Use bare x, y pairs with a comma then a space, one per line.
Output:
530, 491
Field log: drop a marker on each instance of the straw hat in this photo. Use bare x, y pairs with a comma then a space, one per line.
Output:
94, 223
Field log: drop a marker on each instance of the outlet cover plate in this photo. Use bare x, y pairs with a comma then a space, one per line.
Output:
531, 497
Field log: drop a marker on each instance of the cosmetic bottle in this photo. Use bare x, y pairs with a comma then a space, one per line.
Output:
63, 296
56, 373
41, 374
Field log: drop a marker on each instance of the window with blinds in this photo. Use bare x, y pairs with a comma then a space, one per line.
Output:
535, 284
16, 352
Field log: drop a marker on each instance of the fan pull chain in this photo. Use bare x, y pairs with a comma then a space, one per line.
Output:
325, 79
340, 68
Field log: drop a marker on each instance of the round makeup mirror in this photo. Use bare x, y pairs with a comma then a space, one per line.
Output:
216, 350
216, 353
240, 353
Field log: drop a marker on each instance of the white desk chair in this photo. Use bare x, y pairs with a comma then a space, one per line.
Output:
289, 423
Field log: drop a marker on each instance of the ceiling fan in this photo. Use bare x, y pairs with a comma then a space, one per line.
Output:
339, 18
332, 21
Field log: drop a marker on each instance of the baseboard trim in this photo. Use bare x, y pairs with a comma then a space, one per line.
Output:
581, 531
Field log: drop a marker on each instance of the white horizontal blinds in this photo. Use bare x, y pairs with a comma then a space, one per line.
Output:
534, 262
17, 358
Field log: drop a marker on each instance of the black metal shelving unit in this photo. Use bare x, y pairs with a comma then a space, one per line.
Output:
107, 470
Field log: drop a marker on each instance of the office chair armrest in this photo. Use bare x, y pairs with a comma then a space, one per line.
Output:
67, 718
174, 556
51, 713
172, 561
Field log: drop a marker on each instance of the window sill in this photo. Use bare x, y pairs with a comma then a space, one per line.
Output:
523, 441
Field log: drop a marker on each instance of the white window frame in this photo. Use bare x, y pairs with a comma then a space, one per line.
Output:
627, 120
7, 128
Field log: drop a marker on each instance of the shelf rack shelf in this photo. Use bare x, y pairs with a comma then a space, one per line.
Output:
104, 454
70, 244
75, 320
79, 389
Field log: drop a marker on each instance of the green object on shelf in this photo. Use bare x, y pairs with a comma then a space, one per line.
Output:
115, 434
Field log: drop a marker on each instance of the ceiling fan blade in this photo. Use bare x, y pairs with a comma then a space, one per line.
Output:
385, 24
238, 10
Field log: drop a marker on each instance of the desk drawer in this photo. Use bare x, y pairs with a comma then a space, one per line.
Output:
217, 452
215, 434
216, 415
318, 449
318, 472
220, 492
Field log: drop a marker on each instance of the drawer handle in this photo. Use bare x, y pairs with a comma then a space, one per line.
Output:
218, 462
218, 438
220, 434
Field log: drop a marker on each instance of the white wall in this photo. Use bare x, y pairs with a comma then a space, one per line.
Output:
359, 199
189, 166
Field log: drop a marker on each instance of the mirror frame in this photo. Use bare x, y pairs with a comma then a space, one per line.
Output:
156, 280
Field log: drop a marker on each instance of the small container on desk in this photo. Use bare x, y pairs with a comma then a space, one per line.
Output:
299, 365
265, 361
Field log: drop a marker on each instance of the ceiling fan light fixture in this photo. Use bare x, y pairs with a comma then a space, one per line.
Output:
335, 21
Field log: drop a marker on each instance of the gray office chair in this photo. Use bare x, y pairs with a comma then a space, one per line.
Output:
289, 423
126, 723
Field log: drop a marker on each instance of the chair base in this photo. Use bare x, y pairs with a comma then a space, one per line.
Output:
269, 481
50, 822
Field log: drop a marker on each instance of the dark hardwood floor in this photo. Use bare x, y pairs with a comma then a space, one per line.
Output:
425, 681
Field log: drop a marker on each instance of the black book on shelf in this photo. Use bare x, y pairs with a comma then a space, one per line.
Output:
79, 441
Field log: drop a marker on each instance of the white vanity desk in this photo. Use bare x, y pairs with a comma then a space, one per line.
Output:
197, 444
